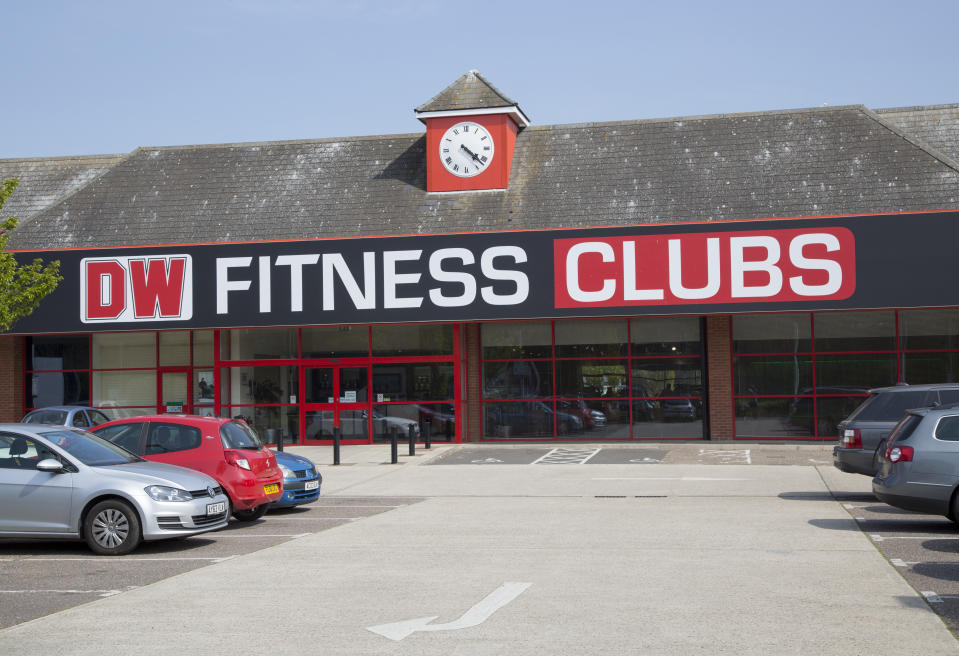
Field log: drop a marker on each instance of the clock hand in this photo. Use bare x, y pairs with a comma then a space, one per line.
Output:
469, 152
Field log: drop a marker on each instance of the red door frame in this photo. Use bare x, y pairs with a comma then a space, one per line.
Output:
335, 364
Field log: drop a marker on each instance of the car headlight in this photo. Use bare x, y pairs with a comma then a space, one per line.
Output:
164, 493
287, 472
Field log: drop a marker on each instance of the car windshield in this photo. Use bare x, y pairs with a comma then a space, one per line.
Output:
238, 435
89, 449
58, 417
889, 406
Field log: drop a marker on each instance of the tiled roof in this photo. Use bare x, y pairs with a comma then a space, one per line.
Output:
935, 125
469, 91
823, 161
43, 181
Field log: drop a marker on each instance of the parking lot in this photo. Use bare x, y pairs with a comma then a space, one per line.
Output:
40, 577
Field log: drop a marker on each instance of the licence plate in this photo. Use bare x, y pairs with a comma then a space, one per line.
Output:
272, 488
311, 485
216, 508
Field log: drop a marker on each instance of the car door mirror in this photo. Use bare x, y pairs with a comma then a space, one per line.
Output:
51, 465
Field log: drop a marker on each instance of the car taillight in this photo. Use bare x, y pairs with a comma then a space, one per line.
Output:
851, 439
234, 459
899, 454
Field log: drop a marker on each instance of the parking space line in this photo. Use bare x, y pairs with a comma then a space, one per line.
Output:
262, 535
102, 593
665, 478
101, 559
880, 538
313, 519
931, 597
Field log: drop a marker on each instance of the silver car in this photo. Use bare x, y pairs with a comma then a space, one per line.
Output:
58, 482
920, 465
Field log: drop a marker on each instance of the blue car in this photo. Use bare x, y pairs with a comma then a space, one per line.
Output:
301, 480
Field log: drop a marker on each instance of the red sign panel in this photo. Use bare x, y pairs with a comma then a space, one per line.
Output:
705, 268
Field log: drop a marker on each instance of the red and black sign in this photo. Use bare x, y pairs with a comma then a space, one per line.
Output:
851, 262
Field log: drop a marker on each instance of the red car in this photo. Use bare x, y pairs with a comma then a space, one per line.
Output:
226, 449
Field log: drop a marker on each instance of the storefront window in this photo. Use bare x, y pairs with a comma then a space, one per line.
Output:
772, 333
57, 388
855, 331
124, 350
412, 382
854, 373
259, 385
923, 368
929, 330
335, 342
413, 340
58, 352
174, 348
271, 423
202, 348
656, 393
119, 389
258, 344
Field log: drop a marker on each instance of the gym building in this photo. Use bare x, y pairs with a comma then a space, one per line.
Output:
725, 277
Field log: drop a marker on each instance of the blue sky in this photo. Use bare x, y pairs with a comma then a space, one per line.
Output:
106, 76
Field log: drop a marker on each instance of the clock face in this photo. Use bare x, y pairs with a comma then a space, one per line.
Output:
466, 149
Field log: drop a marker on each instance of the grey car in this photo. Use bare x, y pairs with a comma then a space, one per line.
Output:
920, 466
77, 416
59, 482
863, 434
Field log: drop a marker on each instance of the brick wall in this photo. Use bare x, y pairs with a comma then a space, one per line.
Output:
11, 378
719, 365
473, 372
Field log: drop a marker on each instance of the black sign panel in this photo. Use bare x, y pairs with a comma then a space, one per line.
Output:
869, 261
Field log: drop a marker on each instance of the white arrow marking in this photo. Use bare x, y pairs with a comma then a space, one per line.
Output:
487, 460
473, 617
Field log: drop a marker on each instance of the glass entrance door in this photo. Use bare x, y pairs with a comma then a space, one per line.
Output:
336, 396
174, 391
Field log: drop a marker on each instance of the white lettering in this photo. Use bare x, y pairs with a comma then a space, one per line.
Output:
831, 267
296, 264
266, 302
362, 300
676, 271
739, 266
517, 277
391, 279
630, 293
572, 272
461, 277
223, 283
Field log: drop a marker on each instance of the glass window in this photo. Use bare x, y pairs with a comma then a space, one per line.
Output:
335, 342
517, 339
174, 348
354, 385
830, 410
855, 331
237, 435
124, 350
270, 422
771, 333
929, 329
202, 348
55, 417
667, 377
890, 406
58, 352
169, 438
668, 419
412, 382
417, 339
854, 374
124, 388
265, 384
591, 378
773, 374
125, 435
258, 344
57, 388
529, 419
923, 368
948, 429
659, 336
97, 417
517, 379
590, 338
775, 417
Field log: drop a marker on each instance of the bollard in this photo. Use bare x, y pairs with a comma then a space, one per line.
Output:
336, 445
412, 438
393, 454
426, 433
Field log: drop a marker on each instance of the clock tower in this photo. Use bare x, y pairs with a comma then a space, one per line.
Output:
471, 130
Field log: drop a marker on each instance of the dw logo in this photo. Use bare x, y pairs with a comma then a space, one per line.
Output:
136, 288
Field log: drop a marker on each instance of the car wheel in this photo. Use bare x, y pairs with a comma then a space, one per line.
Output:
112, 528
252, 513
954, 507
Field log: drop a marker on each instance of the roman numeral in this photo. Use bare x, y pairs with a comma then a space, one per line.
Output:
449, 159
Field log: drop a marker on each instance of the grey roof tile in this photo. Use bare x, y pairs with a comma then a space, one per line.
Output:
469, 91
935, 125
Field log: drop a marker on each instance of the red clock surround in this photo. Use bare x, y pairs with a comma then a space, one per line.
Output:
496, 176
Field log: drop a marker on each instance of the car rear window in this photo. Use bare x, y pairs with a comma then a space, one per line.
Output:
904, 429
58, 417
236, 435
948, 429
889, 406
949, 396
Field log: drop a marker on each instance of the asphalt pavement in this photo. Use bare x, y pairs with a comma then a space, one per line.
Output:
571, 549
